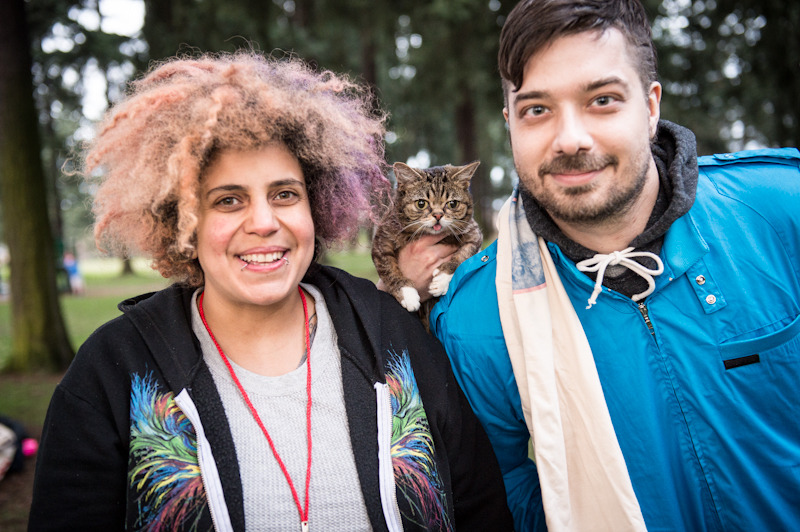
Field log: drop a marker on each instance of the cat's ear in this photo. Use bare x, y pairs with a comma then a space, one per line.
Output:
464, 173
404, 173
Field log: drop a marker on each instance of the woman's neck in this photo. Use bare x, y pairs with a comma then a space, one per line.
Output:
267, 340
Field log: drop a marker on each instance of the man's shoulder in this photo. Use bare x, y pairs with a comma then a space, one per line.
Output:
766, 168
783, 156
472, 274
471, 298
762, 179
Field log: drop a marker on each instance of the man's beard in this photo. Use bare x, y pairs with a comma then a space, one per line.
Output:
565, 204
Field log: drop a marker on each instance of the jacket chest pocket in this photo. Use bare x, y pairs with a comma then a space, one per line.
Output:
781, 346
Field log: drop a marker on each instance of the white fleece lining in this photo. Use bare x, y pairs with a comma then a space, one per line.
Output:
208, 467
391, 512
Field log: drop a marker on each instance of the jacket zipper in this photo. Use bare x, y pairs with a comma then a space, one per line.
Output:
207, 465
646, 315
391, 510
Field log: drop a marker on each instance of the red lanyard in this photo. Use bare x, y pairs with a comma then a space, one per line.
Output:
303, 510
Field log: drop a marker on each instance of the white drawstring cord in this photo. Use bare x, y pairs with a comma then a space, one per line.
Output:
600, 262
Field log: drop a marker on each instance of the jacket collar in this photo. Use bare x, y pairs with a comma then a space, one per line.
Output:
163, 319
354, 305
683, 246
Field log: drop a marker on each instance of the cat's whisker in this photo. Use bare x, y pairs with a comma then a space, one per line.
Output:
457, 236
421, 223
417, 232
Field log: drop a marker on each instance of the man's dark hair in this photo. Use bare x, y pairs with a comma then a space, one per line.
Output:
534, 24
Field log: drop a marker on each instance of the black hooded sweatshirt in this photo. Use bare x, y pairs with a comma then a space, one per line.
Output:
97, 469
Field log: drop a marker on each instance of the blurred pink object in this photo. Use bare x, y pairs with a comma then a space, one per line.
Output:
29, 446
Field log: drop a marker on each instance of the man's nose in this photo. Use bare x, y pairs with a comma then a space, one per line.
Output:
572, 135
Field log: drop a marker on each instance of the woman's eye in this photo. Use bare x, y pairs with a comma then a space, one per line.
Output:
421, 204
287, 196
452, 204
227, 201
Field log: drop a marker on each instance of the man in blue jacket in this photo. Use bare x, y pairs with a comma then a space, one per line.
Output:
631, 342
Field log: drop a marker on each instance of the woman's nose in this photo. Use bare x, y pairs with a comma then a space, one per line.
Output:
261, 218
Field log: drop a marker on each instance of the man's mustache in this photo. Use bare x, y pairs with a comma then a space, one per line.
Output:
563, 164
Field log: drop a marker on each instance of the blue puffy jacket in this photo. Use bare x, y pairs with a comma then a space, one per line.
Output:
702, 379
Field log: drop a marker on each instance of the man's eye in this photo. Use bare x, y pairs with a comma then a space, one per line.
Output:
421, 204
604, 100
535, 110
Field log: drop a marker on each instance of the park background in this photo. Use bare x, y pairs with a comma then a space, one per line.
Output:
730, 71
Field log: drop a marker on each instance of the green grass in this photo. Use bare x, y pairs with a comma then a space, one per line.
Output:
105, 288
26, 397
357, 261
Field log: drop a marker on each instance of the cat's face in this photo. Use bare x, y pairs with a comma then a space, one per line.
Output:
434, 200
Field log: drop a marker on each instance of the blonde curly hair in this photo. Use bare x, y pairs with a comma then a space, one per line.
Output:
152, 148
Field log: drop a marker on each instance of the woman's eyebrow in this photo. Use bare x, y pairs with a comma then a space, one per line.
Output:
224, 188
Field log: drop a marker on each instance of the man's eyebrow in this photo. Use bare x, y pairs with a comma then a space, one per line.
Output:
589, 87
604, 82
530, 95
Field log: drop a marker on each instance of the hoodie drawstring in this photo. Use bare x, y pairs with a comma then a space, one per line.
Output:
601, 261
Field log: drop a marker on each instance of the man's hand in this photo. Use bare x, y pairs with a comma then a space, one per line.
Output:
420, 258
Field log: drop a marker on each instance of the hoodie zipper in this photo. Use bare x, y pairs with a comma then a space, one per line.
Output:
391, 510
207, 465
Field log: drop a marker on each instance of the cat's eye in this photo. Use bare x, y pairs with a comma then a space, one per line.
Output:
421, 204
452, 204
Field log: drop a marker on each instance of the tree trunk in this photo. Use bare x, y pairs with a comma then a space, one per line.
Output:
39, 338
159, 29
466, 135
127, 266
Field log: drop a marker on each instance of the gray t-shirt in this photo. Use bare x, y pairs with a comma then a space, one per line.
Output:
335, 498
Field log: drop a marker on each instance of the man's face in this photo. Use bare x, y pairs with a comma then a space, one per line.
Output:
580, 128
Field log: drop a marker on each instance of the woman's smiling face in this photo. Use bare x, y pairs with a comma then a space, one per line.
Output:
255, 233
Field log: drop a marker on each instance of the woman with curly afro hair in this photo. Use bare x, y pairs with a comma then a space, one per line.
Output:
261, 390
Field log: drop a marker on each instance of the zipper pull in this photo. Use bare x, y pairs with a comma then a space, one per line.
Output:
646, 315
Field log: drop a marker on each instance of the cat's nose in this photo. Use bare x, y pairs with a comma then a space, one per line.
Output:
437, 215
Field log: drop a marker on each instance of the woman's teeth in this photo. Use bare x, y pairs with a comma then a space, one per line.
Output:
262, 258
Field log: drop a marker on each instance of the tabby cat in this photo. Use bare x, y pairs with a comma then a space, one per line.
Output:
427, 201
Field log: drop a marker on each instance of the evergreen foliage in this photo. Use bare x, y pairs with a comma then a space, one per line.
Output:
730, 70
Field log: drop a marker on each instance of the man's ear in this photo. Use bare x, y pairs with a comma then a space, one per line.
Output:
654, 106
505, 114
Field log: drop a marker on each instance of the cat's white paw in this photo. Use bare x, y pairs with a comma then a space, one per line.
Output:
410, 299
440, 283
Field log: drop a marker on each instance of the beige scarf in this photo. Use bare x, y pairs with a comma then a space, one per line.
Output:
582, 473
